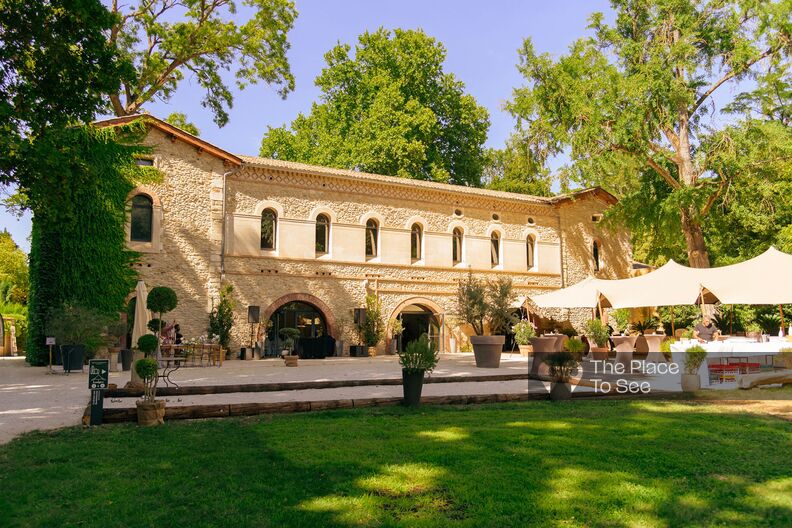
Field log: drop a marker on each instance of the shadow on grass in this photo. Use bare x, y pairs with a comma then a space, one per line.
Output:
602, 463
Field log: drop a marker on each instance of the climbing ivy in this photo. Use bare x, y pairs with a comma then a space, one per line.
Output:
78, 182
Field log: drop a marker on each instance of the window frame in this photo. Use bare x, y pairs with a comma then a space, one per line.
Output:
133, 208
371, 225
530, 252
496, 259
274, 220
457, 244
322, 219
416, 247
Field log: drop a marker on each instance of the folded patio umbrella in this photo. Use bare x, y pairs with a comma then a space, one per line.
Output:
142, 315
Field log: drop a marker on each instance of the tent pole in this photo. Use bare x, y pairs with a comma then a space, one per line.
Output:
673, 330
731, 321
781, 311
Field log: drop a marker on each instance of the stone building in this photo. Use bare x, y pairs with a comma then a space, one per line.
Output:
306, 244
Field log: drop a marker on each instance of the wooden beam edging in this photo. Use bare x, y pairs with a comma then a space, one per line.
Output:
199, 390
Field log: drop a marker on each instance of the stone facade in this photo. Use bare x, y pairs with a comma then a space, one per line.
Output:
194, 248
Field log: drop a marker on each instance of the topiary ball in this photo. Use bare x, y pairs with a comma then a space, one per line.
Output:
147, 343
161, 299
146, 368
154, 324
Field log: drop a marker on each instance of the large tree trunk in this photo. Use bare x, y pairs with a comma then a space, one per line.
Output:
694, 238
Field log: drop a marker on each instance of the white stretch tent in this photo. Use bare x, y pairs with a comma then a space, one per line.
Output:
760, 280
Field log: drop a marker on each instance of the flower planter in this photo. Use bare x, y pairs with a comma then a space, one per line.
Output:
691, 382
412, 383
560, 391
599, 353
151, 413
487, 350
525, 350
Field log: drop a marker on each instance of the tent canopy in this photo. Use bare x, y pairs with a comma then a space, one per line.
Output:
760, 280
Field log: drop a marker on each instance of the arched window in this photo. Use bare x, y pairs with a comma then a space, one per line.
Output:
372, 231
416, 233
457, 245
595, 252
141, 219
322, 233
530, 250
269, 228
495, 248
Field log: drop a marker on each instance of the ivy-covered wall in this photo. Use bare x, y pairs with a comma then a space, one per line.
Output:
78, 252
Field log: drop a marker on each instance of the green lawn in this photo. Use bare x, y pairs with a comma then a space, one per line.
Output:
583, 463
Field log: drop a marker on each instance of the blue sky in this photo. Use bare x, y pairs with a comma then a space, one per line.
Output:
481, 38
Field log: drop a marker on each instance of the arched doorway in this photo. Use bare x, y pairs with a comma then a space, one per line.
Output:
420, 318
314, 341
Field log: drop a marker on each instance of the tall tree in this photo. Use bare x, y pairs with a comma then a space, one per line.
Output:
164, 39
631, 102
13, 270
389, 109
513, 169
178, 119
55, 67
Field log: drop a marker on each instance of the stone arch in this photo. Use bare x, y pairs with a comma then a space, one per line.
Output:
306, 298
268, 204
430, 305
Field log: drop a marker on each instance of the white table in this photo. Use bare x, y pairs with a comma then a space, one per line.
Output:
733, 347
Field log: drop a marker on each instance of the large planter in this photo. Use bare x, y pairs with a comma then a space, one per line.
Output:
525, 350
599, 353
372, 351
73, 357
126, 359
487, 350
691, 382
452, 345
412, 383
151, 413
290, 360
560, 391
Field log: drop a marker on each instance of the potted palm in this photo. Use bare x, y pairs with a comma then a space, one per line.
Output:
479, 302
523, 332
418, 358
561, 365
644, 326
289, 337
575, 347
150, 411
694, 357
598, 334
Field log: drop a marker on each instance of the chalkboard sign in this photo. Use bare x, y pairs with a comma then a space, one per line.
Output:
98, 373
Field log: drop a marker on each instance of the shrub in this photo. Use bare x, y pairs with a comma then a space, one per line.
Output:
161, 300
665, 346
156, 324
76, 325
642, 326
419, 355
221, 318
147, 343
694, 357
523, 332
561, 365
575, 347
289, 337
146, 368
597, 332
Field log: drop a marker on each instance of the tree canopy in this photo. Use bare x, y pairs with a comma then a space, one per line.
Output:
389, 108
631, 105
178, 119
13, 271
166, 39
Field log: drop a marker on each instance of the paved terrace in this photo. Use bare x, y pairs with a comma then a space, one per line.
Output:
32, 399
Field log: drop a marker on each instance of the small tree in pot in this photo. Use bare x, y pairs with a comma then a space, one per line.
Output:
561, 365
372, 329
396, 328
160, 300
598, 334
694, 357
478, 302
78, 332
289, 337
523, 333
419, 357
150, 410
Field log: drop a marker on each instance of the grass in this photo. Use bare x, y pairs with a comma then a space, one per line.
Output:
582, 463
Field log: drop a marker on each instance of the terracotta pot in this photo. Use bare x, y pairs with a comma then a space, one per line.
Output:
599, 353
487, 350
151, 413
291, 361
560, 391
526, 350
691, 382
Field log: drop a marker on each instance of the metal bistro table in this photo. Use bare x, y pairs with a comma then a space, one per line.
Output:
171, 365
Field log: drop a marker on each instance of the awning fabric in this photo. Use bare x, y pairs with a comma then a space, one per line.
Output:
761, 280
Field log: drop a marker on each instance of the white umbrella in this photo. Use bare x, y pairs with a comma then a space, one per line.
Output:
142, 315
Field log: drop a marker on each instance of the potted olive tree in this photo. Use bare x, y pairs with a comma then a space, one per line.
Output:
523, 332
418, 358
694, 357
289, 337
561, 365
479, 302
598, 335
150, 411
78, 332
